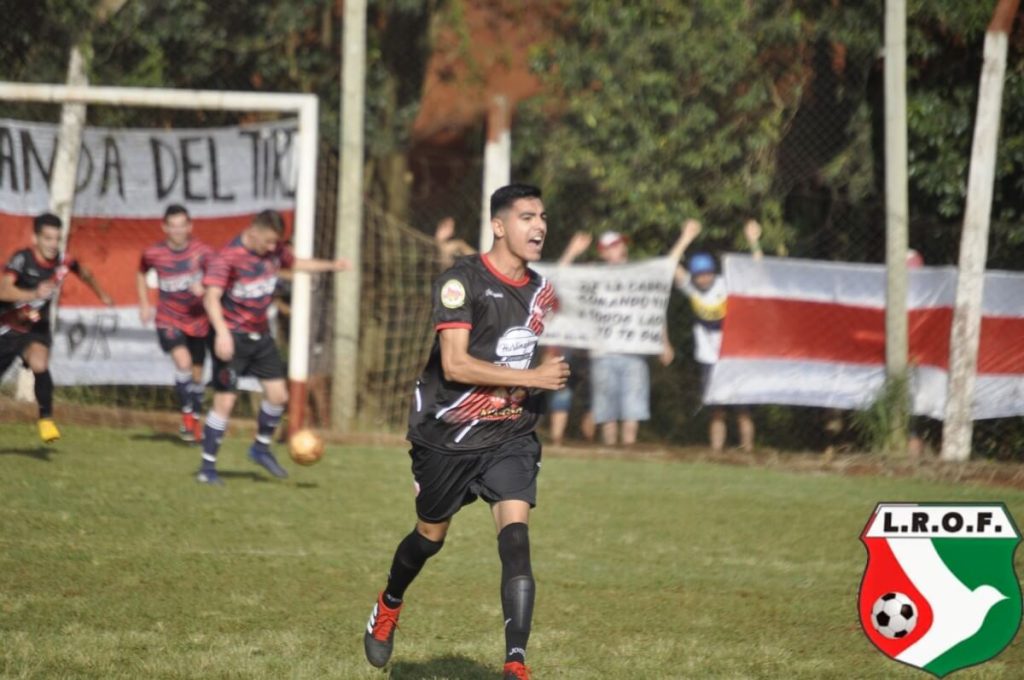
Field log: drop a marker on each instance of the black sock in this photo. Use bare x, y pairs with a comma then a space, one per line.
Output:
182, 381
412, 553
517, 589
44, 393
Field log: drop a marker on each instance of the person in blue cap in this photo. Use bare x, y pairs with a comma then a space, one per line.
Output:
705, 289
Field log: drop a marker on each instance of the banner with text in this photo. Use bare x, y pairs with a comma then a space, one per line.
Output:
126, 179
111, 346
124, 173
609, 308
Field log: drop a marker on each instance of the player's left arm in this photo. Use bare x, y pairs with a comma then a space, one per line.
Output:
316, 266
88, 279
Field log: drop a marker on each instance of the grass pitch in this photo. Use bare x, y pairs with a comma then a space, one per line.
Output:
114, 563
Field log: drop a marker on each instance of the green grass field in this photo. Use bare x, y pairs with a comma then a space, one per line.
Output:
114, 563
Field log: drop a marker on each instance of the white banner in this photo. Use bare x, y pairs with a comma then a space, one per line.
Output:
609, 308
812, 333
136, 173
110, 346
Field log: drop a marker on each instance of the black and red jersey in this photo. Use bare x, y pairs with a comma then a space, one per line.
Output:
248, 281
29, 270
177, 272
505, 319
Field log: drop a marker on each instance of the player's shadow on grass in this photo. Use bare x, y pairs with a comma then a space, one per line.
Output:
244, 474
450, 666
38, 452
163, 437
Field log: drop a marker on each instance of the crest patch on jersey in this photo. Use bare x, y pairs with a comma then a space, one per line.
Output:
453, 294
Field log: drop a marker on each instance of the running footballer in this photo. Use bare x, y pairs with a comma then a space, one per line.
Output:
473, 414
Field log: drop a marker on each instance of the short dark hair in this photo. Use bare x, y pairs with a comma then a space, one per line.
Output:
176, 209
503, 198
269, 219
47, 219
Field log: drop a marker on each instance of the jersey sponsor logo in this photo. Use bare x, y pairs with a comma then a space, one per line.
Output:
503, 403
180, 283
939, 591
254, 289
516, 347
453, 294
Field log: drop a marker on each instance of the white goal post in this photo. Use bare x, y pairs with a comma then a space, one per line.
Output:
306, 106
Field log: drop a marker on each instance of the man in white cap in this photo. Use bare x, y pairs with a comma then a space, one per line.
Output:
620, 383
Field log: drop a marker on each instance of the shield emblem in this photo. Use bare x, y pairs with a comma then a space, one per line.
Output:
939, 591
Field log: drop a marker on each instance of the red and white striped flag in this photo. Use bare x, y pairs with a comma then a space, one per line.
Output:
812, 333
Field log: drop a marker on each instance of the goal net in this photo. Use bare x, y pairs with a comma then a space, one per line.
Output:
105, 361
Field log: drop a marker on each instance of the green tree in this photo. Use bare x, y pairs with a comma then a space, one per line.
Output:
664, 110
269, 45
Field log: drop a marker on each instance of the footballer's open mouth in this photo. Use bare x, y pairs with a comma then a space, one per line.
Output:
537, 240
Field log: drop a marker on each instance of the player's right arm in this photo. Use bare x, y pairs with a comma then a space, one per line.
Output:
145, 309
462, 367
223, 341
11, 293
218, 273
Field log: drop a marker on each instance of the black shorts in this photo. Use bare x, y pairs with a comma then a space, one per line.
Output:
12, 345
174, 337
41, 333
446, 481
255, 355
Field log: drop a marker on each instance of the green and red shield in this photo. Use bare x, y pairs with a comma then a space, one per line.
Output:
939, 590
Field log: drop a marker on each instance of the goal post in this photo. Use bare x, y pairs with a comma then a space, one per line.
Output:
305, 106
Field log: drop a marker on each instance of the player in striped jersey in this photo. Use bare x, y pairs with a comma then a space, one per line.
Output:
181, 324
240, 282
31, 279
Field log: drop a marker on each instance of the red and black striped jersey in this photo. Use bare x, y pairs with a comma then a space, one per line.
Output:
29, 270
177, 273
248, 281
505, 319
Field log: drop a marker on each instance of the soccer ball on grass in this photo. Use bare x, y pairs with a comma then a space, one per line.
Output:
306, 447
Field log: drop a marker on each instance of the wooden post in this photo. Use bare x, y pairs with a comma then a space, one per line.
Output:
344, 387
896, 213
62, 186
497, 163
966, 330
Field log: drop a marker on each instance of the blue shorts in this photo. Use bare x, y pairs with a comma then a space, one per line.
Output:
620, 388
560, 401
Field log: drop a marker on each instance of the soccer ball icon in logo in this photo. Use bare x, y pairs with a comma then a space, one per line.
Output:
894, 615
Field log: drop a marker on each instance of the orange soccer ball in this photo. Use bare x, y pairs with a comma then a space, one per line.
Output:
306, 447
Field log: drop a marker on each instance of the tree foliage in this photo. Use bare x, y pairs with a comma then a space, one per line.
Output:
268, 45
722, 109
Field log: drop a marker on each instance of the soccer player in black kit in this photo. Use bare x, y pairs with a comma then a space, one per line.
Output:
31, 279
473, 414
